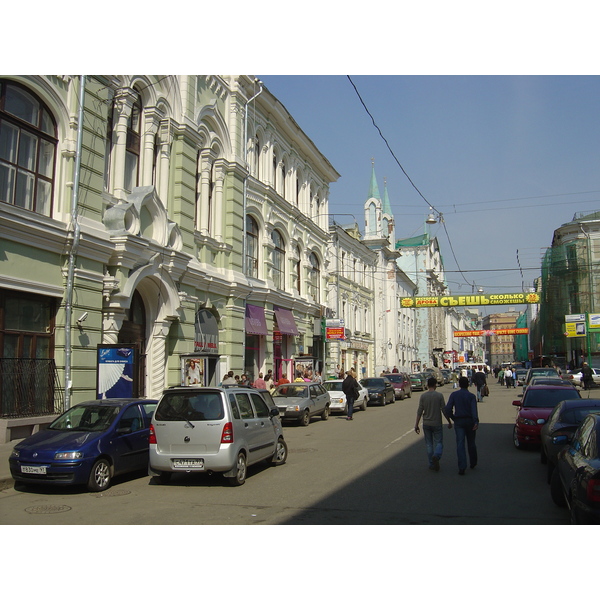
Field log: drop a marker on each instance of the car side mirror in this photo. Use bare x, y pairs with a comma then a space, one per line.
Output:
560, 440
517, 403
274, 412
123, 430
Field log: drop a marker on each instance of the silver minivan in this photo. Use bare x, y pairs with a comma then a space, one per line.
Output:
205, 430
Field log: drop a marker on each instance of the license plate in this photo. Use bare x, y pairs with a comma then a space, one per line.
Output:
188, 463
33, 470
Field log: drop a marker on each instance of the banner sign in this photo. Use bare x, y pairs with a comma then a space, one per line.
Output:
485, 332
575, 330
594, 321
474, 300
335, 333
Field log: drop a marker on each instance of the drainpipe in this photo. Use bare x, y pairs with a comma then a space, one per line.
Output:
245, 199
73, 251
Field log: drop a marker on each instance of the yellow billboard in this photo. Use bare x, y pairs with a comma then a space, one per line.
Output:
469, 300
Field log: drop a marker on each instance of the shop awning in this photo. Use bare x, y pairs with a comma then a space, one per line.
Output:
255, 320
285, 321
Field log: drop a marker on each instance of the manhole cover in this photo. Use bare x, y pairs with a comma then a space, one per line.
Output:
110, 493
48, 509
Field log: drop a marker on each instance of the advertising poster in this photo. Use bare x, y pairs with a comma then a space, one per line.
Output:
193, 370
116, 371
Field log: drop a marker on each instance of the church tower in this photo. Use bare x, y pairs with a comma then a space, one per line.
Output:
379, 220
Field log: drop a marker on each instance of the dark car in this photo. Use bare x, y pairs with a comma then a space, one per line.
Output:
418, 381
401, 385
537, 371
380, 390
575, 481
535, 408
87, 445
560, 427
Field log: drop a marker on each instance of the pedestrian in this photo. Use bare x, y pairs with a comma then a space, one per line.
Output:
270, 384
587, 376
479, 379
515, 379
501, 377
259, 382
462, 409
454, 380
508, 377
282, 380
431, 408
351, 390
229, 379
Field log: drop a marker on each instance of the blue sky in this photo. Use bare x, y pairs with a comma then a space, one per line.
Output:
505, 159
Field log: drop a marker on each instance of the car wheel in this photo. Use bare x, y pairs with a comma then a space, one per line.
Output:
240, 471
281, 452
516, 441
305, 419
393, 399
363, 406
345, 411
556, 489
383, 402
163, 477
410, 394
100, 476
325, 413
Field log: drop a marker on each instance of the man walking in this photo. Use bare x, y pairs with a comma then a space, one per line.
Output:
351, 390
479, 379
462, 409
431, 408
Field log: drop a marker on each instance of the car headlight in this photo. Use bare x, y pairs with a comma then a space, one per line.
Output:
15, 453
293, 408
68, 455
526, 421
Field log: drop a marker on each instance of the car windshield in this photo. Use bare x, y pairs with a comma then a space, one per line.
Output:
86, 418
295, 391
577, 415
548, 397
190, 406
372, 382
395, 378
333, 386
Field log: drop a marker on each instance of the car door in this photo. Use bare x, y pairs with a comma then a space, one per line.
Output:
250, 425
129, 444
318, 400
265, 432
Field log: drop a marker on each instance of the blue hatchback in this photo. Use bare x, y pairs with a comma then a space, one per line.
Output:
87, 445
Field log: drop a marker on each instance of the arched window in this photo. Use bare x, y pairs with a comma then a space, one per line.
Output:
257, 158
314, 277
27, 150
278, 260
132, 150
251, 247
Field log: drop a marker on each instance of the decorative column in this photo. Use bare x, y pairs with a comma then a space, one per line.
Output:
124, 99
157, 358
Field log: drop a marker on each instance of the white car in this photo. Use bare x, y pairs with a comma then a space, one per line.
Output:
575, 377
338, 398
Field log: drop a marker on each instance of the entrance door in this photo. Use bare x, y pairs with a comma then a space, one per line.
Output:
133, 331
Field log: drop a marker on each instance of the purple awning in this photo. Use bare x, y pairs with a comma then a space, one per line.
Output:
285, 321
255, 320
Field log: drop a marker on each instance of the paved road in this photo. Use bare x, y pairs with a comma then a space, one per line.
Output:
372, 470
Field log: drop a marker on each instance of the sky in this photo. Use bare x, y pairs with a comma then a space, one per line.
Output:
505, 159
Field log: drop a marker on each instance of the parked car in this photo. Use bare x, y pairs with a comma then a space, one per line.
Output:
380, 390
434, 372
575, 481
338, 398
543, 380
87, 445
205, 430
576, 377
562, 423
418, 381
401, 385
534, 409
447, 373
300, 401
546, 371
521, 374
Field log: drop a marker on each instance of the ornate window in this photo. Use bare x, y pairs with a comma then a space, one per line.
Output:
132, 150
251, 247
314, 276
27, 150
278, 260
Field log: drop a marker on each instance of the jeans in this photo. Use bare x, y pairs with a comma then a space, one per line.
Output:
350, 405
479, 394
434, 441
464, 431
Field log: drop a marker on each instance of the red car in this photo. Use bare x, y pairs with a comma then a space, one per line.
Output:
534, 410
401, 383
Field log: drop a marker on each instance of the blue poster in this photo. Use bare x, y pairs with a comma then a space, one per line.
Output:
115, 372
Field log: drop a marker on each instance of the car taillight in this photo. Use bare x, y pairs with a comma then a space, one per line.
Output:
227, 435
152, 435
593, 490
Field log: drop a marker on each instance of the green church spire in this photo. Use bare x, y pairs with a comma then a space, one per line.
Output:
374, 188
387, 209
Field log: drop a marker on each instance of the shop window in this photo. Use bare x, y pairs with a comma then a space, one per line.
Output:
251, 247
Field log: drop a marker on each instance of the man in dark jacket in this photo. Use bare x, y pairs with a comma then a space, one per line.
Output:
587, 376
351, 390
479, 379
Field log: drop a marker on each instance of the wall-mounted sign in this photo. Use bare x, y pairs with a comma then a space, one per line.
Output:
575, 330
473, 300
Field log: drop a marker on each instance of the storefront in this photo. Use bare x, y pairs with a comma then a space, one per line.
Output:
254, 347
284, 328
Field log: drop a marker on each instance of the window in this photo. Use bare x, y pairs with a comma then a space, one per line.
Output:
251, 247
262, 410
278, 260
245, 406
27, 150
314, 276
132, 150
